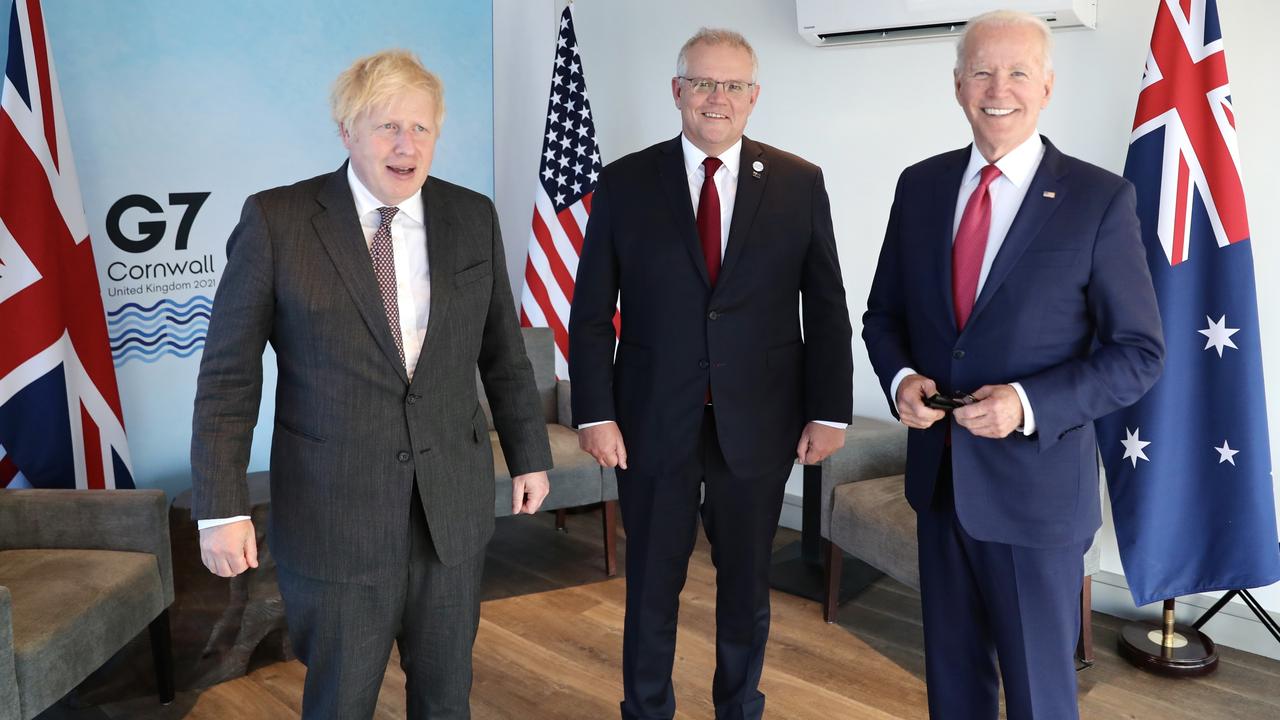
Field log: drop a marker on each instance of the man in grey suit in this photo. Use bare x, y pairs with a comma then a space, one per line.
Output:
381, 291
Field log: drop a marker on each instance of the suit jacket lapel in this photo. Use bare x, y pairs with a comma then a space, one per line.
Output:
441, 246
1037, 208
338, 228
751, 185
946, 189
675, 183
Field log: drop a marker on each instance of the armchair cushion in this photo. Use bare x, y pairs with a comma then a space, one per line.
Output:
872, 449
873, 522
8, 677
576, 479
128, 520
71, 610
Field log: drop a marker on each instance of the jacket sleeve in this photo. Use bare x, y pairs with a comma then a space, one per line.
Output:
884, 324
508, 376
229, 387
828, 336
592, 336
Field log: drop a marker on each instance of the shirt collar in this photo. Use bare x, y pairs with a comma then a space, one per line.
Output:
693, 157
1016, 166
366, 203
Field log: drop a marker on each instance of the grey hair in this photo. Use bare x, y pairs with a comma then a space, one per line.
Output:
1008, 18
716, 36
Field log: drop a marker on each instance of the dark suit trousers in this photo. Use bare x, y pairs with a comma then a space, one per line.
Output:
740, 517
343, 633
986, 600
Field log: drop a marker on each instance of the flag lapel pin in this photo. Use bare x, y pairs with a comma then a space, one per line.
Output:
1050, 194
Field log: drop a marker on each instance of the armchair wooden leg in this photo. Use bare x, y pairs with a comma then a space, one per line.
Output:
610, 512
1085, 648
162, 654
833, 563
561, 516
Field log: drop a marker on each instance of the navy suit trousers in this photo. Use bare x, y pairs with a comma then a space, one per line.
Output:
988, 602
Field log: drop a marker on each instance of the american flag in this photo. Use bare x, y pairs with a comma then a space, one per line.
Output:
60, 418
562, 199
1189, 466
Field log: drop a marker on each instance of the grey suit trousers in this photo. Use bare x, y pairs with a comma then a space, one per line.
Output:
343, 633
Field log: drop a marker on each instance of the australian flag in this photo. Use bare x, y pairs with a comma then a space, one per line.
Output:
60, 417
1189, 466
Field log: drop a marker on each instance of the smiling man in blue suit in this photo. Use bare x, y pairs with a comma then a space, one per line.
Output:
1013, 281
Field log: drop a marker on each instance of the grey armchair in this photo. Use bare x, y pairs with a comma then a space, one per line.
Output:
81, 573
577, 479
865, 513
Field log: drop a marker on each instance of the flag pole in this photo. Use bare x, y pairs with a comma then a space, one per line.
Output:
1167, 648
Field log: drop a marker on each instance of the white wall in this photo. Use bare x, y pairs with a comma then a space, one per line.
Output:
866, 112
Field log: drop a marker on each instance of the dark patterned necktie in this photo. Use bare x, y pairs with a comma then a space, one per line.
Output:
384, 268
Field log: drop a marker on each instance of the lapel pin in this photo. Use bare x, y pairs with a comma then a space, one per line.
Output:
1050, 194
757, 167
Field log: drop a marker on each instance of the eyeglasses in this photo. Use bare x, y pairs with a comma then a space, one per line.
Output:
706, 86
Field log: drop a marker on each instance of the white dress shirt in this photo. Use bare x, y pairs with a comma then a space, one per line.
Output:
1017, 168
726, 180
413, 278
409, 244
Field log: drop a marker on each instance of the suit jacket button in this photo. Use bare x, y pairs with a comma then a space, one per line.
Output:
713, 315
957, 354
411, 399
403, 456
704, 364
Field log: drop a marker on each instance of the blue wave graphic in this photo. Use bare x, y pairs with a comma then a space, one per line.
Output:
165, 302
156, 356
133, 315
150, 332
135, 342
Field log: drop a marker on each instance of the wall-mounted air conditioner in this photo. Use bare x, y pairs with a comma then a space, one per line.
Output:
846, 22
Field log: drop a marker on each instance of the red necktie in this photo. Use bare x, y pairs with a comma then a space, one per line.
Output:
709, 218
970, 246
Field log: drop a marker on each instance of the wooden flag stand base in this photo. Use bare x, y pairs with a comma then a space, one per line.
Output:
1168, 649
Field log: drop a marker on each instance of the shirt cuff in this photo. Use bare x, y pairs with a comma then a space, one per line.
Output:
832, 423
584, 426
1028, 415
215, 522
897, 380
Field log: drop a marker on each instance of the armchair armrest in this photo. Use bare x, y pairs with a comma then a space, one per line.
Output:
564, 411
128, 520
872, 449
9, 708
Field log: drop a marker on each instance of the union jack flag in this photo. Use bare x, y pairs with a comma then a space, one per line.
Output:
1189, 466
562, 199
60, 419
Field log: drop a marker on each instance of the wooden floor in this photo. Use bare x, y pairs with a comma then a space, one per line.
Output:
550, 646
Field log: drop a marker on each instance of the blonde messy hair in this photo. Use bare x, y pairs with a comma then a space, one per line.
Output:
373, 80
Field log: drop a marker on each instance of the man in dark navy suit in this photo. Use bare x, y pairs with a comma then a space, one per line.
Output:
1012, 280
714, 243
